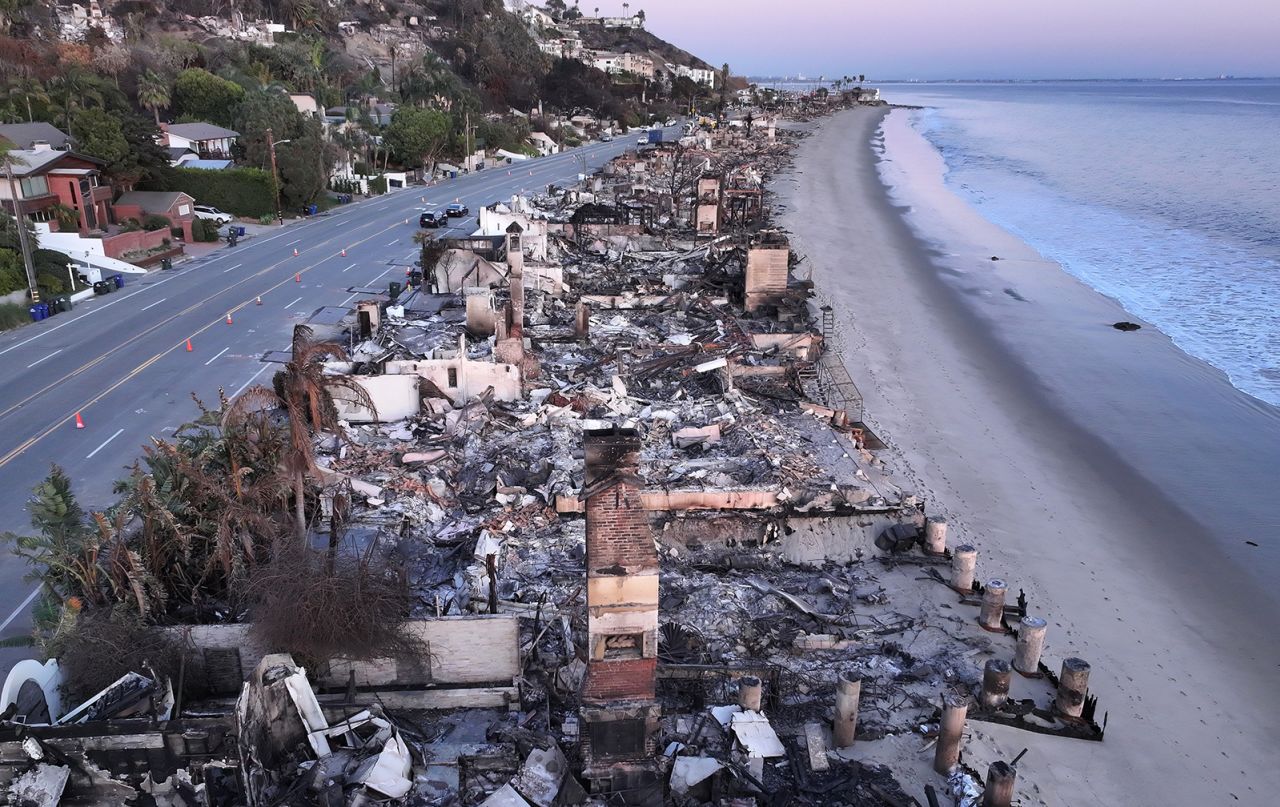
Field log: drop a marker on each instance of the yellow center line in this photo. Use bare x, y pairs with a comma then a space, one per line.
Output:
20, 449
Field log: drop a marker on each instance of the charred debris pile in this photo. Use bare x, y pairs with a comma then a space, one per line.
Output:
653, 553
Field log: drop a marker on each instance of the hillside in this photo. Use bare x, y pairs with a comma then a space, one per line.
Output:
364, 85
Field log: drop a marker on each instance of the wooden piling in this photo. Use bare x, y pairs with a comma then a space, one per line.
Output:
993, 605
848, 695
750, 693
1031, 631
963, 561
1073, 684
950, 732
995, 683
935, 535
1000, 780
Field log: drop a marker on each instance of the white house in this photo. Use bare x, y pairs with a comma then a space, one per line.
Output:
205, 139
544, 144
699, 75
306, 104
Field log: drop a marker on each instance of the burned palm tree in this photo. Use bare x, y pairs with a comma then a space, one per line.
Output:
303, 390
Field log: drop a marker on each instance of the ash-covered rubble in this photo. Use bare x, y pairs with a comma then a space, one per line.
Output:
654, 554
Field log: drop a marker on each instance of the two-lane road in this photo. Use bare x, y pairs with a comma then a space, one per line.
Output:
121, 362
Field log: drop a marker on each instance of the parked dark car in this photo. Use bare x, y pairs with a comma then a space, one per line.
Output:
457, 210
432, 219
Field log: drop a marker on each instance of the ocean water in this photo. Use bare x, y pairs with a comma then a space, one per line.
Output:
1162, 195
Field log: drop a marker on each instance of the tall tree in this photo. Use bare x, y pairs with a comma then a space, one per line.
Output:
418, 135
200, 95
98, 134
304, 392
153, 93
74, 87
110, 60
29, 88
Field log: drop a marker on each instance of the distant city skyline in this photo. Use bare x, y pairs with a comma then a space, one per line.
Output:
1001, 39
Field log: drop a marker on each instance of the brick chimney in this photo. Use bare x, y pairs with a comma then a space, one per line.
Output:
619, 713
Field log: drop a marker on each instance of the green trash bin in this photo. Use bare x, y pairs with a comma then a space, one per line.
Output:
63, 303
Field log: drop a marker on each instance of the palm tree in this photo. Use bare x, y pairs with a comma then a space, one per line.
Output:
76, 86
304, 392
153, 93
30, 88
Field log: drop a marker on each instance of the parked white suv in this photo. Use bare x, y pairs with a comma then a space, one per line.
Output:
212, 214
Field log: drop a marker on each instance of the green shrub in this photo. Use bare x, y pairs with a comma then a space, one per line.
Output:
153, 221
13, 276
130, 225
239, 191
378, 185
13, 315
204, 230
266, 218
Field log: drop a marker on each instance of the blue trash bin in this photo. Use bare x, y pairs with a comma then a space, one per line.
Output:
38, 312
240, 232
312, 210
118, 280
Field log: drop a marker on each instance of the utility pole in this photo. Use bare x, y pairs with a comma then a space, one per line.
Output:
275, 176
19, 221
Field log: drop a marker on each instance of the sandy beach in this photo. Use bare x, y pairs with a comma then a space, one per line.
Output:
984, 379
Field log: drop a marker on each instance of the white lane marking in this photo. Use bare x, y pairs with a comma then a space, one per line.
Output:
229, 268
289, 304
153, 305
20, 608
104, 443
50, 356
393, 243
219, 353
352, 266
291, 243
349, 299
246, 384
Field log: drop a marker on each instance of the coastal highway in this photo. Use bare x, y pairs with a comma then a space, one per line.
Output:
120, 360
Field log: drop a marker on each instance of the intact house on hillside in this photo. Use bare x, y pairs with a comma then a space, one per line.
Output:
205, 140
45, 177
30, 135
544, 143
176, 206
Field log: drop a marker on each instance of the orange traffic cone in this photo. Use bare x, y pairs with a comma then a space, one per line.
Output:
259, 301
189, 348
297, 277
229, 318
344, 252
79, 421
295, 252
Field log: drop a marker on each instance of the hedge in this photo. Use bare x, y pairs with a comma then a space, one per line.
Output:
239, 191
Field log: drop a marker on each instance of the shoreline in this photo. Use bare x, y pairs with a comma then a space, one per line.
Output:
1181, 665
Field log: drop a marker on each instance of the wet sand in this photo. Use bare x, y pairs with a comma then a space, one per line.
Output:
994, 385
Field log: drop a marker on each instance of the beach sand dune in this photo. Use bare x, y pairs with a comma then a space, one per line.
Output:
1182, 640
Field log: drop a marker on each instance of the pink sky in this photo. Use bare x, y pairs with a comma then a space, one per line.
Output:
990, 39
